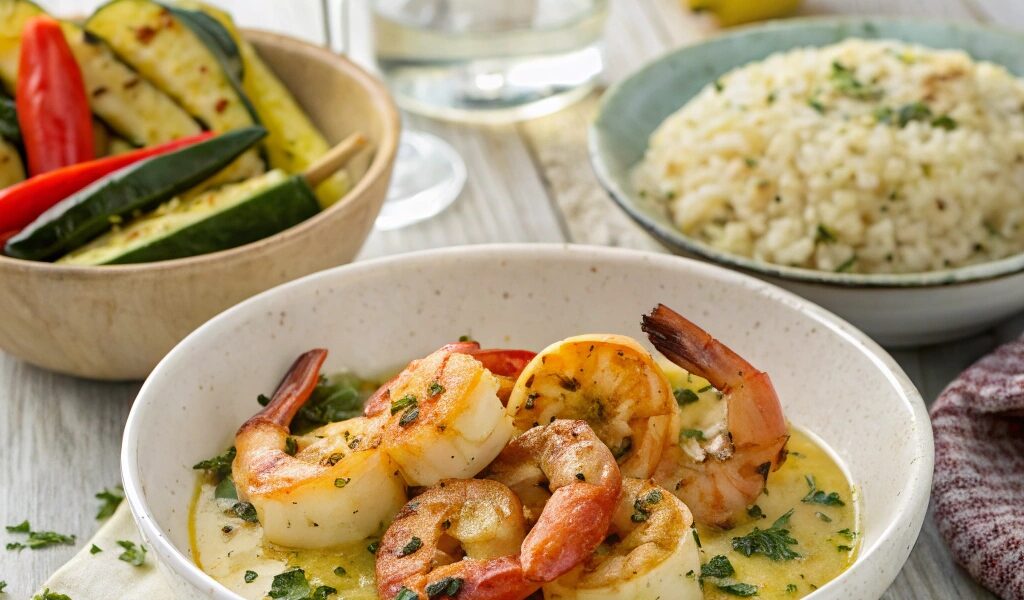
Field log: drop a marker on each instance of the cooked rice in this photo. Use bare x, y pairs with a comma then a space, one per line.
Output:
864, 156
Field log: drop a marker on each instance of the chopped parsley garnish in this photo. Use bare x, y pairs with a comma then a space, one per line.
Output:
843, 548
846, 533
696, 537
23, 527
290, 446
685, 396
406, 594
335, 458
816, 105
773, 542
219, 466
755, 512
340, 571
816, 496
718, 85
750, 162
824, 234
290, 585
48, 595
263, 399
790, 588
333, 399
372, 547
847, 264
95, 549
581, 477
848, 85
250, 576
3, 584
466, 338
412, 546
435, 389
403, 403
718, 567
944, 122
695, 434
409, 416
822, 516
449, 586
245, 511
914, 111
342, 482
37, 539
111, 499
322, 592
641, 506
226, 489
738, 589
133, 555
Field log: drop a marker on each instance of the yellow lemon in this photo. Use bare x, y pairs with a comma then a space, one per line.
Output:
734, 12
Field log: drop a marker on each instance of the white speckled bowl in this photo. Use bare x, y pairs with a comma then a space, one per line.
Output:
377, 315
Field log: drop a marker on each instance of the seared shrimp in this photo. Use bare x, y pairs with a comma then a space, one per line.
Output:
460, 538
569, 484
646, 556
443, 417
331, 491
733, 466
609, 381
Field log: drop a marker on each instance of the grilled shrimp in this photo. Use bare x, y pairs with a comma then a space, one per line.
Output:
732, 468
460, 538
443, 417
332, 490
569, 484
646, 556
609, 381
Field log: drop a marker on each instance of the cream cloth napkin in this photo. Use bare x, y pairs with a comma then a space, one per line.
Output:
103, 576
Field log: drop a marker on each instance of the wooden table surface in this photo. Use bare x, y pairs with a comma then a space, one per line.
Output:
529, 182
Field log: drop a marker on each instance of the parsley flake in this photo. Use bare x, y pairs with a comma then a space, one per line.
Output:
133, 555
773, 542
219, 466
95, 549
412, 546
245, 511
738, 589
685, 396
816, 496
406, 594
250, 576
449, 586
290, 585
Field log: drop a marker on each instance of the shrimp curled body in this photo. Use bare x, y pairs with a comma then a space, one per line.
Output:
569, 483
459, 538
732, 468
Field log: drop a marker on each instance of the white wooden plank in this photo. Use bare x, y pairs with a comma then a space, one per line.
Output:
1005, 13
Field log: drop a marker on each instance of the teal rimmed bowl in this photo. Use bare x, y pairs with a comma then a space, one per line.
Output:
895, 309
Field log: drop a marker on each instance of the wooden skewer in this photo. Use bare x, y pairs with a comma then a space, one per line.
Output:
335, 159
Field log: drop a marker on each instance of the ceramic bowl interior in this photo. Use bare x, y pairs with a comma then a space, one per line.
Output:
375, 316
632, 110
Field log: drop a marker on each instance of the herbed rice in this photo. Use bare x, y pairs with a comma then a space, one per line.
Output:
864, 156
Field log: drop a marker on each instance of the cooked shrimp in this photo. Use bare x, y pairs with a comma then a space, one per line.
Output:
569, 483
506, 365
733, 467
444, 418
460, 538
609, 381
646, 556
332, 490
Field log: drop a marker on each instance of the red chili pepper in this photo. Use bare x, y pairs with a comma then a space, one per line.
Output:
53, 109
22, 202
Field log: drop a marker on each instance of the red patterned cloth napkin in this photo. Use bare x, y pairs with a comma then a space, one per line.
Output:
979, 469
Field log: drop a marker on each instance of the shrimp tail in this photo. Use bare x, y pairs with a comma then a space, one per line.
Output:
584, 513
687, 345
293, 391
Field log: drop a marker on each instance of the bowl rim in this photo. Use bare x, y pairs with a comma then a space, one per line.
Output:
384, 151
676, 240
914, 501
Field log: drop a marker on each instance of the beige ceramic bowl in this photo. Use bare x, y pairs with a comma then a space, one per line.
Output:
117, 322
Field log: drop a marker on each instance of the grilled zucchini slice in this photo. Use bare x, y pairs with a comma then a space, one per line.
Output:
13, 15
167, 52
293, 143
131, 106
222, 218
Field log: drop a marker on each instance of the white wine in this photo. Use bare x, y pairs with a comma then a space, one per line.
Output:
487, 60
